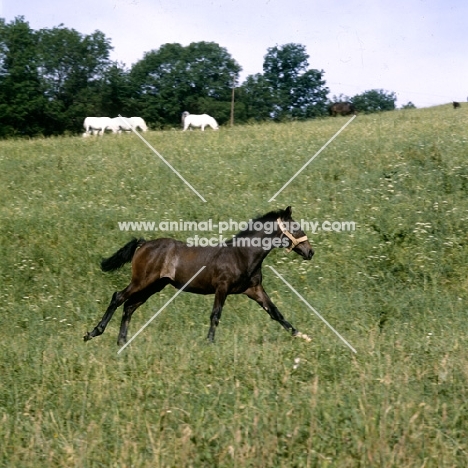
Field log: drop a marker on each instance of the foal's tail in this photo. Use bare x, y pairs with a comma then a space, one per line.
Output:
122, 256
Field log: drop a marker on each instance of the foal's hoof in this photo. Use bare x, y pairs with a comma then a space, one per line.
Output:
87, 337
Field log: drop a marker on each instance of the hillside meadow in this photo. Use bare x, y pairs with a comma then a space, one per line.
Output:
396, 288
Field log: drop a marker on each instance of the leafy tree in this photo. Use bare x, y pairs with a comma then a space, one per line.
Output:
51, 79
73, 68
374, 100
156, 97
408, 105
197, 78
116, 92
340, 98
22, 104
296, 91
256, 97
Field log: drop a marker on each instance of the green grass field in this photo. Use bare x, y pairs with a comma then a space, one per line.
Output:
396, 288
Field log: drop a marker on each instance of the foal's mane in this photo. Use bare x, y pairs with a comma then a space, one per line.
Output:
271, 216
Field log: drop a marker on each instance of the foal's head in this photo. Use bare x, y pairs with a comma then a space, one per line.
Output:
297, 239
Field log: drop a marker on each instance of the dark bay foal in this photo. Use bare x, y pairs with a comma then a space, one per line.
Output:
234, 267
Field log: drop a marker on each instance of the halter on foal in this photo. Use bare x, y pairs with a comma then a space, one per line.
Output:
293, 240
234, 267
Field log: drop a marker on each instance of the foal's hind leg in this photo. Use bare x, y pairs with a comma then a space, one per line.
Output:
118, 298
132, 304
258, 294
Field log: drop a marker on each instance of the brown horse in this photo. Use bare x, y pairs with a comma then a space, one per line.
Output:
234, 267
341, 108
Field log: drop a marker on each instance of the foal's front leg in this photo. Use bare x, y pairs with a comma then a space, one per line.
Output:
258, 294
220, 299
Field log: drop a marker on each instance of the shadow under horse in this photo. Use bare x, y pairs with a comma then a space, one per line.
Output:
233, 267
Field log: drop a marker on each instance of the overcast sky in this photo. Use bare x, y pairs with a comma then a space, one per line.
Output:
416, 48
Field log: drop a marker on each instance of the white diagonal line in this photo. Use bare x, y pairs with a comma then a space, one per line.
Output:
161, 309
313, 310
312, 158
160, 156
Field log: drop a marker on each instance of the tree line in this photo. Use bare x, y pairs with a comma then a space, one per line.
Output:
51, 79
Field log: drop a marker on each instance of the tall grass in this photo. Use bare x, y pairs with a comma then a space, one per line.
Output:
396, 288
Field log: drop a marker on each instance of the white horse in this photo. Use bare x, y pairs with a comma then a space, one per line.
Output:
98, 125
125, 124
138, 122
202, 121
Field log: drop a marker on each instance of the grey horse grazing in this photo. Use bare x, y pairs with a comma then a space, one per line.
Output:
199, 121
